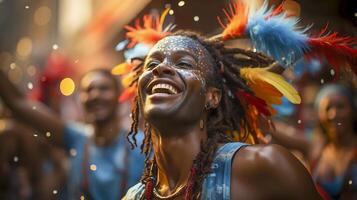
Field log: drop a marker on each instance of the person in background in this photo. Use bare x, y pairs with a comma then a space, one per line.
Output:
101, 165
333, 162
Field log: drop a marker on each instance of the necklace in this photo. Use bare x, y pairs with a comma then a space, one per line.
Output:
173, 196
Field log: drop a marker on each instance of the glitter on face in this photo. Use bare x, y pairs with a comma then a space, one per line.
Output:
172, 44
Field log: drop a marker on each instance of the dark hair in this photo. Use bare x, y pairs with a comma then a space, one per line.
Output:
107, 73
229, 118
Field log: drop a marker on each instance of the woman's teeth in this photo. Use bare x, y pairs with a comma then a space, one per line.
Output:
163, 88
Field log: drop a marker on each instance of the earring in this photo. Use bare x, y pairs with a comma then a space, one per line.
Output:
207, 106
201, 124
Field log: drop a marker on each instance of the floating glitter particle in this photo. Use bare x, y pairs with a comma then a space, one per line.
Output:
27, 7
322, 81
332, 72
12, 66
82, 197
73, 152
339, 123
350, 182
181, 3
93, 167
171, 12
16, 159
48, 134
33, 107
54, 191
29, 85
35, 135
196, 18
55, 46
299, 121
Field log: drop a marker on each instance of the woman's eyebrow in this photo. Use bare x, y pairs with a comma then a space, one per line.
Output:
180, 52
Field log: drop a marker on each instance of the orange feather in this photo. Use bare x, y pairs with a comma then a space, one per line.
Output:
151, 32
237, 17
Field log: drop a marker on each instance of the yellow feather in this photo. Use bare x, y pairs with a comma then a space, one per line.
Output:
127, 80
256, 75
121, 69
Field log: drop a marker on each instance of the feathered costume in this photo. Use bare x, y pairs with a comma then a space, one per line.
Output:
272, 32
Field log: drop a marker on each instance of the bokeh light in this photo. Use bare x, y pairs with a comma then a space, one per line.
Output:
24, 47
67, 86
42, 16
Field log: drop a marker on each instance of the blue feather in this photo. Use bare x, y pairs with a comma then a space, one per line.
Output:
277, 36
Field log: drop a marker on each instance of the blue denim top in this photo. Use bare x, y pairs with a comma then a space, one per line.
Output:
216, 185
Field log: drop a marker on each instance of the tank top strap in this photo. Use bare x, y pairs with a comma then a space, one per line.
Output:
217, 183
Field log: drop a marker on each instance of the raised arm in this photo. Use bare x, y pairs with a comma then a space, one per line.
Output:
31, 113
289, 137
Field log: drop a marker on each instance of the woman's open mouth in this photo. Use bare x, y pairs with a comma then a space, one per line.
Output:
163, 87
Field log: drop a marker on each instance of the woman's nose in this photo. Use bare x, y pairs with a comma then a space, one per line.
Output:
331, 114
163, 69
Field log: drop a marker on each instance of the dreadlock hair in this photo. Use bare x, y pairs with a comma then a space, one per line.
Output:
230, 116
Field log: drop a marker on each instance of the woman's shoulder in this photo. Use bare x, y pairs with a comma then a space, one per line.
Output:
272, 169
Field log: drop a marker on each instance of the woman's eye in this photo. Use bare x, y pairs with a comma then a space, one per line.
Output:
184, 64
152, 64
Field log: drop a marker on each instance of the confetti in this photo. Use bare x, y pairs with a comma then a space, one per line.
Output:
93, 167
48, 134
55, 46
181, 3
12, 66
30, 85
73, 152
332, 72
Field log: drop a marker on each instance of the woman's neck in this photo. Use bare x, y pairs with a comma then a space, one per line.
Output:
346, 139
105, 133
174, 155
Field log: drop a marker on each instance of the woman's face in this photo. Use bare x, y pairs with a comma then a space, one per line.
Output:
335, 114
172, 88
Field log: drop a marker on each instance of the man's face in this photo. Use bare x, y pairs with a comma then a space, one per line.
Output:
99, 96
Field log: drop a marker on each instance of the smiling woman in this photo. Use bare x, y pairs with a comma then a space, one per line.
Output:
190, 93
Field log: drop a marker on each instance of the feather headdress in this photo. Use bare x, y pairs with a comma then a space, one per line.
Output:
151, 32
274, 33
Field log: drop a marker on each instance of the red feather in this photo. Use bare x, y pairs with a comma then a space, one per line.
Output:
336, 50
127, 94
258, 103
277, 11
